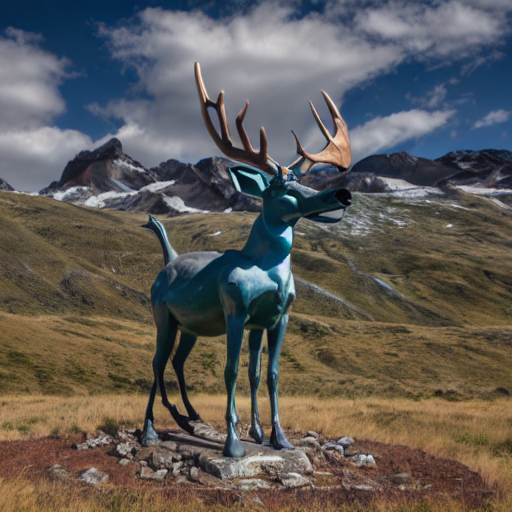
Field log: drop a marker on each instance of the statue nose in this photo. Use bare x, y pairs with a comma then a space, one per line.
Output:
344, 196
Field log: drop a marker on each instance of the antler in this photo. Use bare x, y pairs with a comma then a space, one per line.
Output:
337, 152
248, 155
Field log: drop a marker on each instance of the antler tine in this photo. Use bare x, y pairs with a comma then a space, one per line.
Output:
337, 151
248, 155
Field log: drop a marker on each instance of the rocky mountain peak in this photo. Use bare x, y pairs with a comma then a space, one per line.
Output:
112, 148
104, 169
5, 186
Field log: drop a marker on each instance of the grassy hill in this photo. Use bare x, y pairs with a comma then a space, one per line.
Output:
402, 298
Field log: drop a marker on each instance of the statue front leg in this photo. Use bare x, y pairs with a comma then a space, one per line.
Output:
275, 342
255, 336
235, 335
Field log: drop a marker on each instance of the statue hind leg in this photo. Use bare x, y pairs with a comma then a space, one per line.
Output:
187, 342
255, 336
167, 328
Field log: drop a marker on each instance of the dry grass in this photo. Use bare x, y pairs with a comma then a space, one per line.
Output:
477, 433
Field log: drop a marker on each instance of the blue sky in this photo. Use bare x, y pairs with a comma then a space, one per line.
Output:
423, 77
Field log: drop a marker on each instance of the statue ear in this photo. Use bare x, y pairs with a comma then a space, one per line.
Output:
248, 180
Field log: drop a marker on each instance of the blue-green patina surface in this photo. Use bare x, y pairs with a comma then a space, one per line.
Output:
210, 293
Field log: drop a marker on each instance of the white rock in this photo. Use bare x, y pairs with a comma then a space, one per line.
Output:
308, 441
251, 484
334, 447
362, 460
194, 474
146, 473
364, 487
93, 476
169, 445
124, 462
294, 480
227, 469
345, 441
176, 467
124, 449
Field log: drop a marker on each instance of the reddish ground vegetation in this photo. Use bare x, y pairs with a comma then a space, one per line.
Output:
428, 477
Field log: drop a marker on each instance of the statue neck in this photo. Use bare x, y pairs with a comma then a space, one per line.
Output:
269, 243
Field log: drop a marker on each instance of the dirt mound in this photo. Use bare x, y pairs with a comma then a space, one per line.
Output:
401, 474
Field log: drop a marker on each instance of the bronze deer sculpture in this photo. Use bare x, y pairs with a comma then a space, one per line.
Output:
211, 293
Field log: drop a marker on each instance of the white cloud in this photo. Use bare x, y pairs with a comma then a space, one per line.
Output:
432, 99
451, 29
279, 61
266, 55
33, 152
32, 158
29, 80
385, 132
494, 117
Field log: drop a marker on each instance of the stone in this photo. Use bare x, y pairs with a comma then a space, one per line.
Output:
334, 447
93, 476
294, 480
185, 452
401, 478
124, 462
263, 461
169, 445
145, 452
146, 473
252, 484
308, 441
161, 474
127, 436
124, 450
345, 441
176, 467
162, 459
182, 480
362, 460
205, 431
194, 474
312, 433
59, 472
101, 439
364, 487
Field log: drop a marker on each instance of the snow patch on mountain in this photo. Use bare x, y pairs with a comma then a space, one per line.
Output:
176, 203
100, 201
158, 185
127, 165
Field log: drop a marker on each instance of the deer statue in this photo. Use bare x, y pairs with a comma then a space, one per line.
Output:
211, 293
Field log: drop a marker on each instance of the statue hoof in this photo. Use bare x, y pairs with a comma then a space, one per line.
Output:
257, 434
278, 439
149, 436
233, 448
182, 421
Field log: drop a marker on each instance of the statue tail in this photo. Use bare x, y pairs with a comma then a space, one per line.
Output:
157, 227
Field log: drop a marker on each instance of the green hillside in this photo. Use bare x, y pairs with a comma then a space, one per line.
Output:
402, 298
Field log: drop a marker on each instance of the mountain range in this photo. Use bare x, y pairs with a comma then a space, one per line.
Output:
410, 295
109, 178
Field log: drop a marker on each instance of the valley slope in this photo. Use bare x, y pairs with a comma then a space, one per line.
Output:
407, 296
